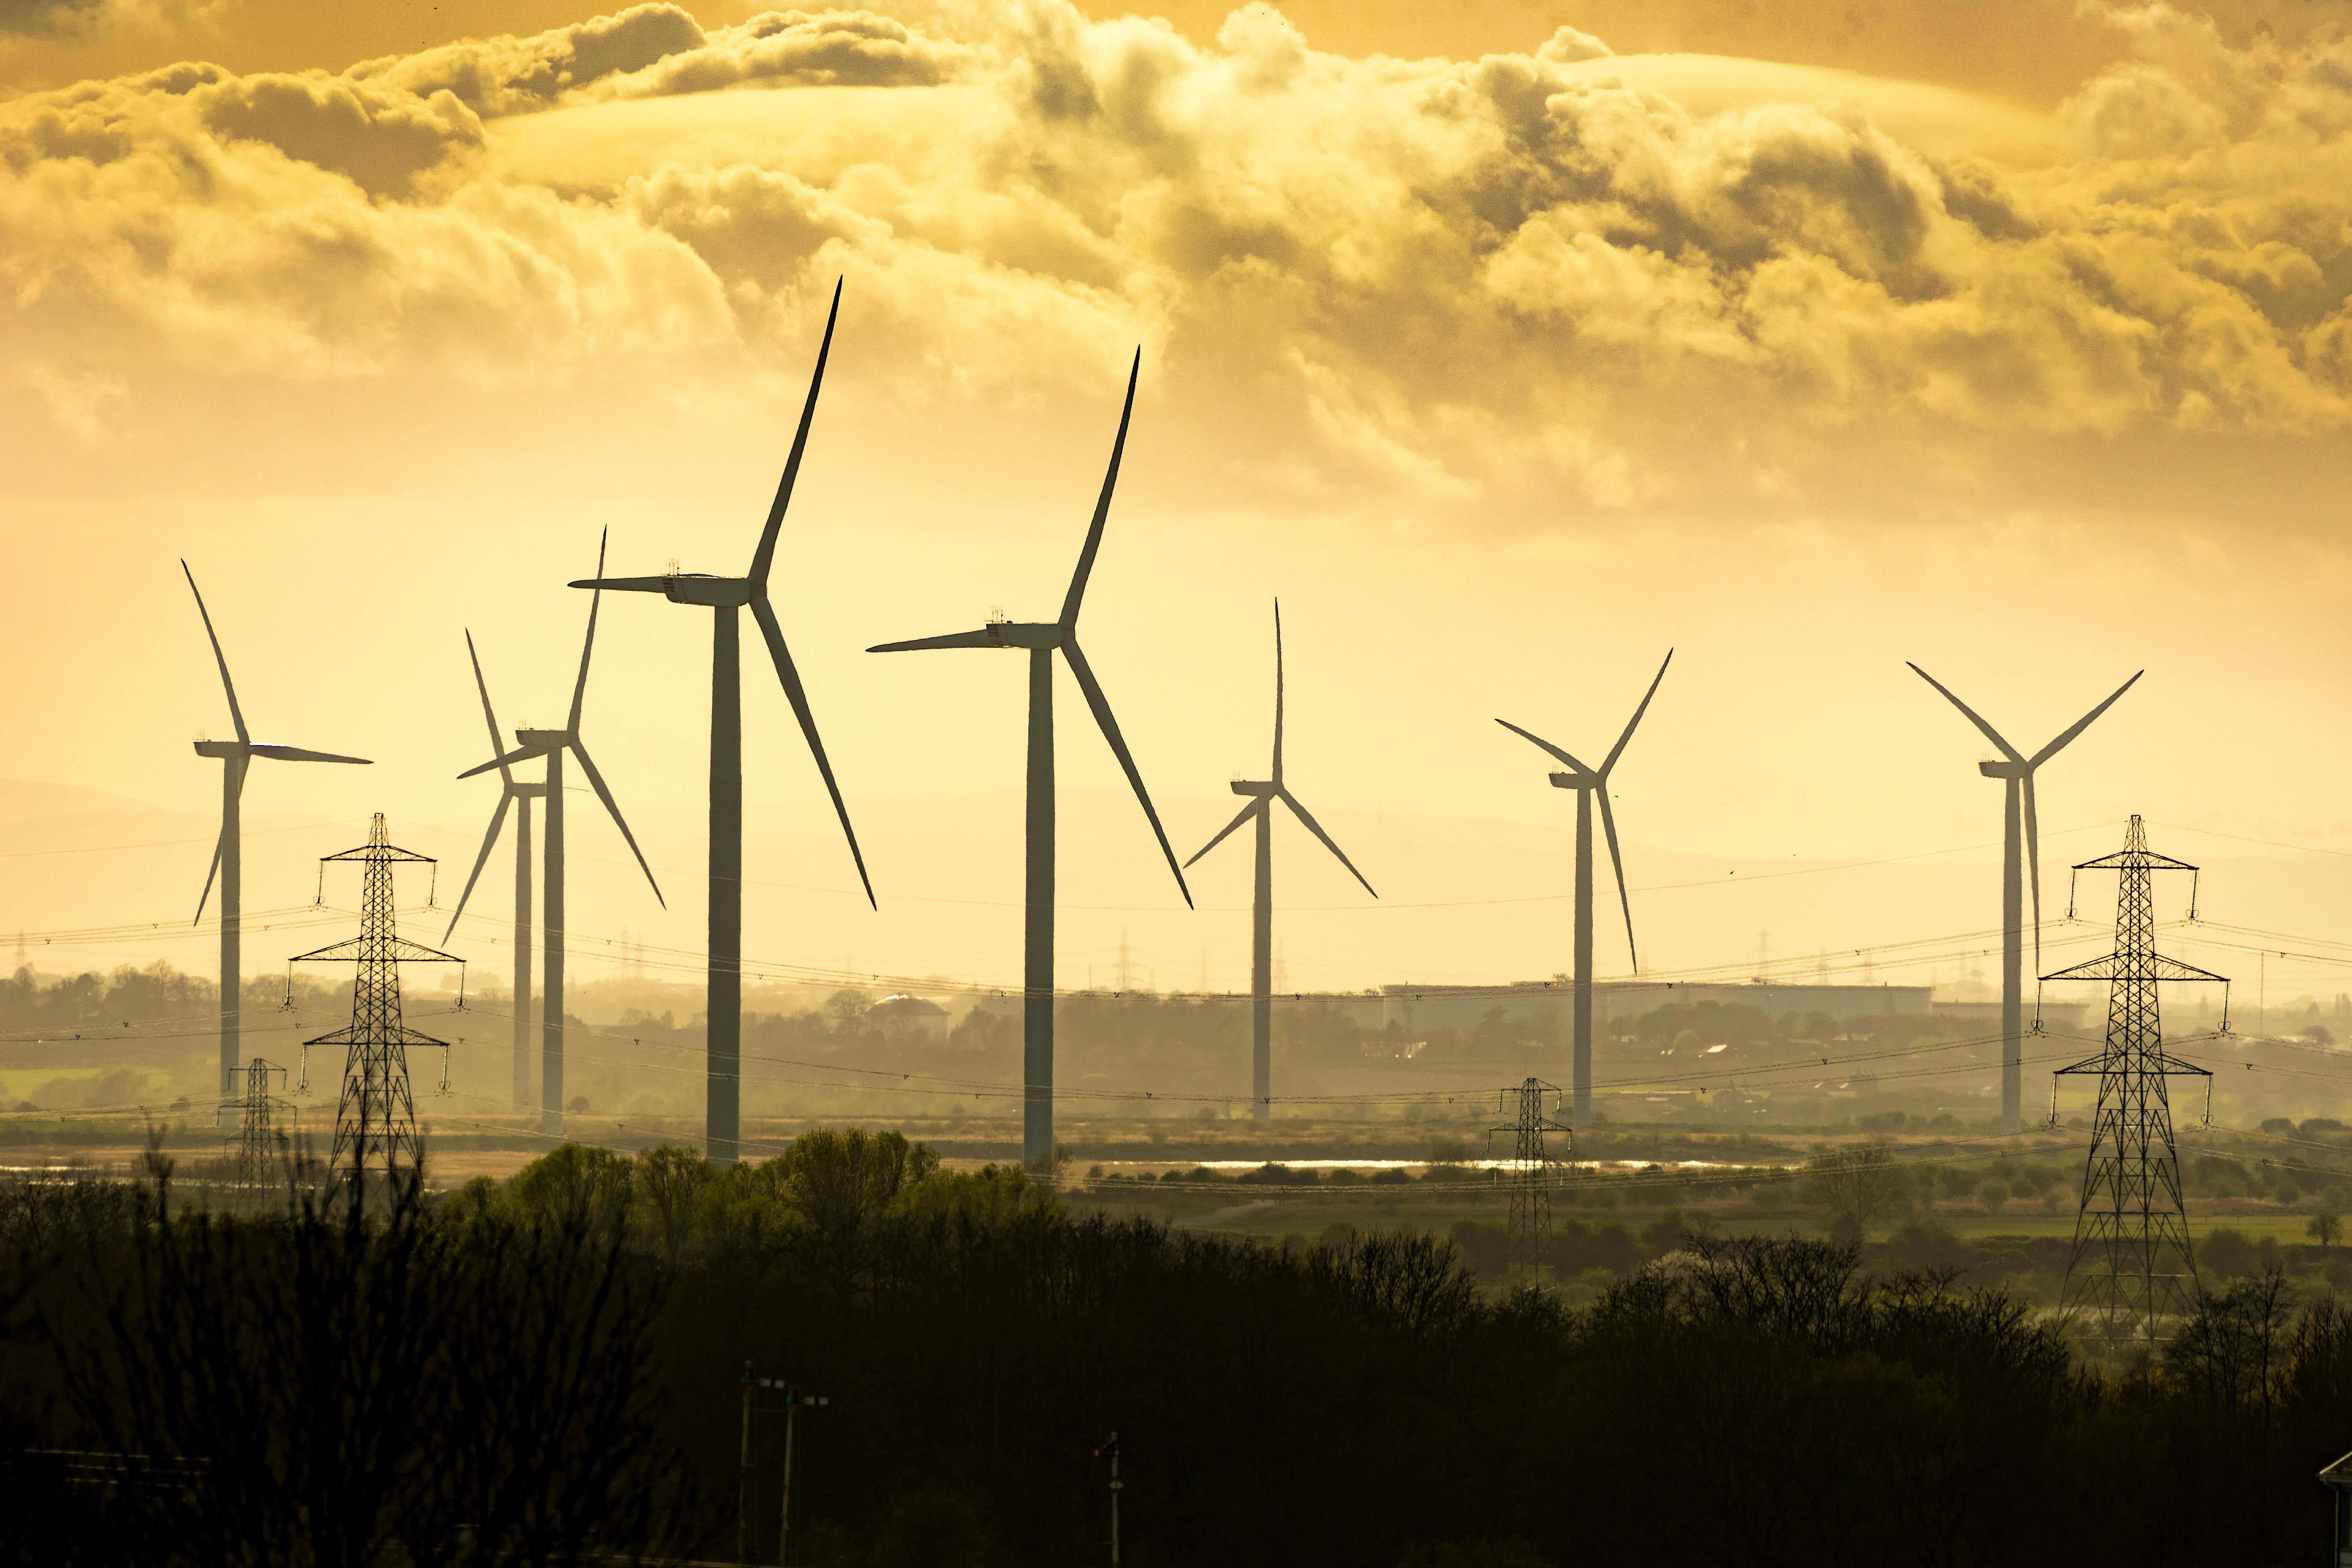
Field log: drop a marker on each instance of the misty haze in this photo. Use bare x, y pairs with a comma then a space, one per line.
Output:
1478, 786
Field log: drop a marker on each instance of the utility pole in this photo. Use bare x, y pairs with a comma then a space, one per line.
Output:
2131, 1211
1110, 1451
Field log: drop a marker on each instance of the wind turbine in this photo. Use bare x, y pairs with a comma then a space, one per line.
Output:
229, 860
519, 795
1587, 783
724, 596
1264, 794
551, 744
2018, 772
1041, 638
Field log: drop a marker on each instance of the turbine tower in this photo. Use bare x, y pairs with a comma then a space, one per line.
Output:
228, 861
724, 598
1589, 783
519, 794
1041, 639
551, 744
2019, 826
1264, 794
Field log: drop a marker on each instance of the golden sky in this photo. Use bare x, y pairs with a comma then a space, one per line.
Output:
1511, 344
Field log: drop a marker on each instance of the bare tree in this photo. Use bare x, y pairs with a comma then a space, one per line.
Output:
1859, 1184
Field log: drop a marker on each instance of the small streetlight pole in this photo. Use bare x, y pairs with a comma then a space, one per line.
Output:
792, 1399
1110, 1451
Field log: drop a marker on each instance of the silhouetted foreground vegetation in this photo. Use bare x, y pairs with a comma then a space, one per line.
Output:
548, 1370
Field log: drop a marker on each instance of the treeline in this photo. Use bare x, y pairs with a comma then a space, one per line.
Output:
548, 1370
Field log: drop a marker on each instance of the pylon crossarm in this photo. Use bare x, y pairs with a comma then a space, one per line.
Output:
377, 852
2173, 1066
2100, 968
2087, 1064
2173, 969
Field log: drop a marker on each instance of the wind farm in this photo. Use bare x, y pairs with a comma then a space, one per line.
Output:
860, 1142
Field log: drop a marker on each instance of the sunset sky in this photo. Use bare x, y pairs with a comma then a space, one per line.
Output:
1510, 345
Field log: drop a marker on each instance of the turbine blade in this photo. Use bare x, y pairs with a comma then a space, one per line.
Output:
1101, 705
625, 585
236, 714
1546, 745
1608, 825
798, 697
519, 755
2055, 747
489, 842
488, 717
1278, 691
220, 845
1618, 750
297, 754
1316, 828
1989, 733
953, 639
766, 555
204, 897
1227, 832
588, 643
596, 782
1102, 511
2033, 862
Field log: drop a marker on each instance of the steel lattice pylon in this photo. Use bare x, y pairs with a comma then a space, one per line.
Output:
2132, 1216
376, 1119
1531, 1167
253, 1152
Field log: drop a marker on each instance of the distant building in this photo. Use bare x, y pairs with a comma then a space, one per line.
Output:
1415, 1010
912, 1016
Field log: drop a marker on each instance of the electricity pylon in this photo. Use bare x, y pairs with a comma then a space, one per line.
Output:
2132, 1214
375, 1119
1531, 1168
253, 1152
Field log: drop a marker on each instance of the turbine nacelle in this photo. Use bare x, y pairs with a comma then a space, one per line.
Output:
1263, 789
547, 739
2005, 769
1577, 781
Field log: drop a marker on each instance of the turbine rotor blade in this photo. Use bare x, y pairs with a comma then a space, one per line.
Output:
766, 555
1316, 828
203, 897
489, 842
2053, 749
236, 714
1618, 750
1278, 691
488, 717
1102, 511
1101, 706
220, 845
596, 782
1608, 825
2033, 860
625, 585
1251, 809
588, 644
953, 639
1546, 745
1989, 733
795, 694
297, 754
519, 755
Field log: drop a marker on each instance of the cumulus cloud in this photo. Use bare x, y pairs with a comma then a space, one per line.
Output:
1434, 280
